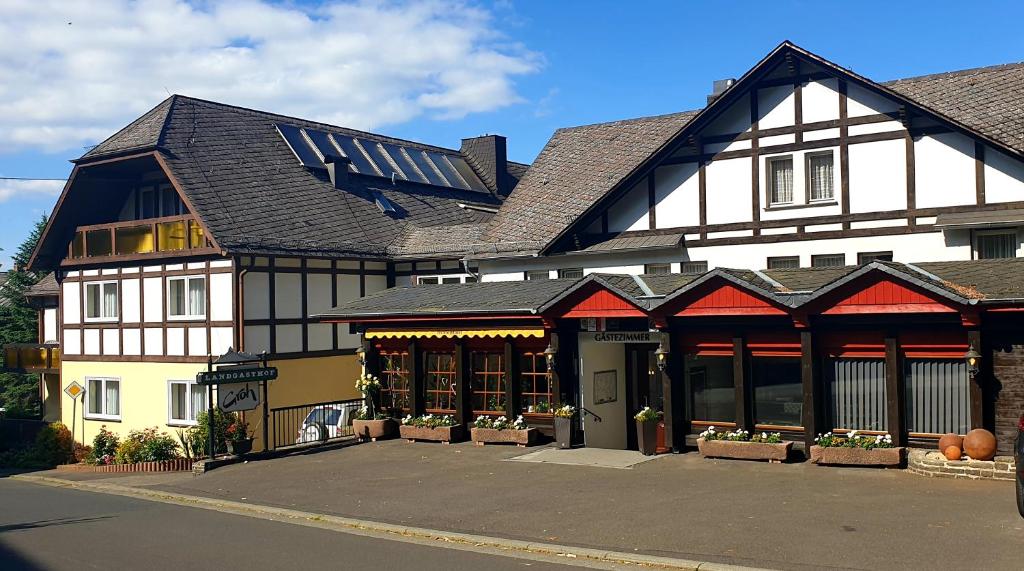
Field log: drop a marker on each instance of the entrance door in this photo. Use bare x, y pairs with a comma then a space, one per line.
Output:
644, 386
603, 384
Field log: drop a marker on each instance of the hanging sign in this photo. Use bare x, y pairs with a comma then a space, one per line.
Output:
225, 376
237, 397
74, 390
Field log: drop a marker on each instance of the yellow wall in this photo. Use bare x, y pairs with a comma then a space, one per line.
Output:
145, 394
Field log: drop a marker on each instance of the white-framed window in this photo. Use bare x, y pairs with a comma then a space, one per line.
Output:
780, 180
990, 244
452, 279
538, 275
185, 400
820, 177
186, 297
570, 273
103, 398
101, 302
657, 269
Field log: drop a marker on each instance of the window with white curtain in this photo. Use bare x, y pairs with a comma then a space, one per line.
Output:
991, 244
820, 179
101, 301
104, 398
186, 297
780, 180
186, 400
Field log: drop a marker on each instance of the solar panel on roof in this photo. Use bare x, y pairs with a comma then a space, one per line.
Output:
377, 156
426, 167
359, 160
467, 173
447, 170
405, 164
322, 143
300, 146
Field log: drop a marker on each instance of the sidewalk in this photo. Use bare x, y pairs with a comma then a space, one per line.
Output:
793, 516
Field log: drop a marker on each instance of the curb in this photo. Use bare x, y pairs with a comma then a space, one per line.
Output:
454, 540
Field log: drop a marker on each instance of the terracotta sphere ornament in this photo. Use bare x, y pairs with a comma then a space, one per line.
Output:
980, 444
952, 453
950, 439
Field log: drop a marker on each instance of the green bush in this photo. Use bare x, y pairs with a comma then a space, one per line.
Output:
54, 445
104, 447
146, 445
200, 434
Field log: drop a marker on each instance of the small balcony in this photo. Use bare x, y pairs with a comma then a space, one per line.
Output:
155, 237
31, 358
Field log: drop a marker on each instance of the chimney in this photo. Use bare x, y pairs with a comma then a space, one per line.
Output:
718, 87
487, 155
337, 169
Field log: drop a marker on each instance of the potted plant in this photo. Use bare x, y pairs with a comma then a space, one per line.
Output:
498, 430
436, 428
238, 438
563, 425
647, 430
1018, 459
370, 423
740, 445
855, 450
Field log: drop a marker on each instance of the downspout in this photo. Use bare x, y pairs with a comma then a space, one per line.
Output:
465, 266
241, 304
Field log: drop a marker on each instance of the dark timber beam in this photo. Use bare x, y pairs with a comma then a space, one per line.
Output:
744, 402
463, 392
513, 386
812, 408
894, 392
416, 390
975, 383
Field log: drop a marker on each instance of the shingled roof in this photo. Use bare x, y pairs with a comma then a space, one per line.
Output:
582, 165
247, 186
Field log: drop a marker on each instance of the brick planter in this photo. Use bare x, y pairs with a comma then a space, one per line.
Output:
375, 429
773, 453
177, 465
442, 434
842, 456
522, 438
934, 464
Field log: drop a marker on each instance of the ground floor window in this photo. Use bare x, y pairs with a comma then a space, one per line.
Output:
439, 379
394, 378
535, 383
712, 388
937, 396
778, 390
104, 397
857, 393
488, 380
187, 400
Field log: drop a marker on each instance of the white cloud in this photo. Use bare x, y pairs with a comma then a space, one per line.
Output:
71, 73
22, 188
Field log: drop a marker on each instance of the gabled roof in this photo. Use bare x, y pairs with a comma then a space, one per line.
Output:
46, 287
142, 133
582, 166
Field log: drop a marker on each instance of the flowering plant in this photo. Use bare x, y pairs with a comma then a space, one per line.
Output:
566, 411
854, 440
500, 423
238, 431
367, 384
429, 420
647, 414
741, 436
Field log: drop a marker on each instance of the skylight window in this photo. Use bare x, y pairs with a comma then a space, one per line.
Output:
383, 203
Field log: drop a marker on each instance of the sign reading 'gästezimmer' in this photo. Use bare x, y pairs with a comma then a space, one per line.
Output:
236, 376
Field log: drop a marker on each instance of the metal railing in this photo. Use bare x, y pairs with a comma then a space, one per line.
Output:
316, 422
31, 358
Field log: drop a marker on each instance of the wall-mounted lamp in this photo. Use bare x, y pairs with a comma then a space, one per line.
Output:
661, 353
973, 358
361, 355
549, 357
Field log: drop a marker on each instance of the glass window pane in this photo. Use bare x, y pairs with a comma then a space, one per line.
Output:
404, 163
179, 402
819, 171
109, 308
198, 400
359, 160
781, 180
176, 297
828, 261
113, 398
134, 239
99, 243
447, 170
170, 236
937, 395
712, 387
786, 262
778, 390
95, 396
196, 238
78, 245
1002, 245
197, 297
426, 167
92, 300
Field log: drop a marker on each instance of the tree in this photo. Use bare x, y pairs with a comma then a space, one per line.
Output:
19, 393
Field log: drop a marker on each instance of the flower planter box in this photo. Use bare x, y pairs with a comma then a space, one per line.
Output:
563, 431
647, 437
521, 438
374, 429
239, 447
773, 453
442, 434
842, 456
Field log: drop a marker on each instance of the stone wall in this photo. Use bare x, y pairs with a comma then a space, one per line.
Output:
1008, 370
932, 463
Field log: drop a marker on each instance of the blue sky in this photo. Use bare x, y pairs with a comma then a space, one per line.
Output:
434, 72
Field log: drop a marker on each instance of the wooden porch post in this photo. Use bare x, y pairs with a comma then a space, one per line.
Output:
416, 392
744, 402
895, 402
975, 384
677, 422
513, 386
372, 366
463, 390
811, 409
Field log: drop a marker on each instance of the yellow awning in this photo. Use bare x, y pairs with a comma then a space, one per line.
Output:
435, 333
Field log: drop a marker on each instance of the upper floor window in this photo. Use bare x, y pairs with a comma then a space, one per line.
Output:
693, 267
820, 176
868, 257
995, 244
780, 180
186, 297
538, 275
783, 262
571, 273
828, 261
657, 269
101, 301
